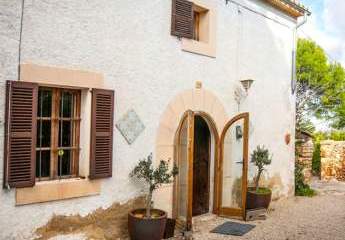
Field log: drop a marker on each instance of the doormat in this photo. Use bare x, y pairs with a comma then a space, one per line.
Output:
233, 228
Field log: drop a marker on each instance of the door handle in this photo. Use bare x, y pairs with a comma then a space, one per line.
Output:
240, 162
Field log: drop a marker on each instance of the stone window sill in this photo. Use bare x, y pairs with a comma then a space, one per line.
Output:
202, 48
57, 190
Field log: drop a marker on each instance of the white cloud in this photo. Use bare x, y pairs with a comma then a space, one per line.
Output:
328, 29
334, 16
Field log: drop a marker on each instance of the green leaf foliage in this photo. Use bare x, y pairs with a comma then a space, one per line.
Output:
301, 188
316, 160
320, 86
336, 135
260, 158
312, 64
154, 177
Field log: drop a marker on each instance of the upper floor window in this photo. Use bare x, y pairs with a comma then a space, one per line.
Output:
201, 24
194, 22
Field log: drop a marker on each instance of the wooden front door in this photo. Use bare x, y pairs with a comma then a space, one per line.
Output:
233, 167
201, 167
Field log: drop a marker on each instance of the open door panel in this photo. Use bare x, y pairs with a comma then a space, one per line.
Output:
184, 181
233, 167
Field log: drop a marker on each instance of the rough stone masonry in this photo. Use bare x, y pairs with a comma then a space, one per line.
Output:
333, 160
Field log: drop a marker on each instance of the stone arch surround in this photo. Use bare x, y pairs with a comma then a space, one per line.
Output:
192, 99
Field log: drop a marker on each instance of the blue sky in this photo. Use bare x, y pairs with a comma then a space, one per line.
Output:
316, 6
326, 26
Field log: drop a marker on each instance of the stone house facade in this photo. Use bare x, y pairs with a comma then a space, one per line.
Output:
97, 85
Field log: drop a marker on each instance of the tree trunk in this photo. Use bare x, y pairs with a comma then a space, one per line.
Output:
257, 180
148, 204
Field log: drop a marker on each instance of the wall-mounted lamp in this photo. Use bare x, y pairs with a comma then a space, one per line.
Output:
247, 83
240, 95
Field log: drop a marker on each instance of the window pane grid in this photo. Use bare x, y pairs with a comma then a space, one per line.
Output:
43, 134
58, 148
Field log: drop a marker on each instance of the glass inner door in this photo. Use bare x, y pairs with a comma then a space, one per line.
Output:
234, 165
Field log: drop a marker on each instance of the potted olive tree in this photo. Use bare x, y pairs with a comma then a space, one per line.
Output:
259, 197
150, 223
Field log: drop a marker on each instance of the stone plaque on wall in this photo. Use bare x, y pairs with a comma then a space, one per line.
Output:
130, 126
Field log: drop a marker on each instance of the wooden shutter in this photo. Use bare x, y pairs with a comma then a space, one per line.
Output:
182, 19
20, 134
101, 133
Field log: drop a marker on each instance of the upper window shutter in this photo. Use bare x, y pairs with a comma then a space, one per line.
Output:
20, 134
182, 19
102, 117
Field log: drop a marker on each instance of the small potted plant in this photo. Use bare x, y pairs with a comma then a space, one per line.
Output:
148, 223
259, 197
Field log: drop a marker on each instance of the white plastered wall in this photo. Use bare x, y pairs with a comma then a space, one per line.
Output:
131, 45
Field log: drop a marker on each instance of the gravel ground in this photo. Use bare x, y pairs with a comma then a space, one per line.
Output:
321, 217
318, 218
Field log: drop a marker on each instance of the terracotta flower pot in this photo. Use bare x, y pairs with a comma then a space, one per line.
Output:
141, 228
258, 200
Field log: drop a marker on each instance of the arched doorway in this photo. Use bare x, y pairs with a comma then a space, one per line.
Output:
208, 181
174, 141
196, 144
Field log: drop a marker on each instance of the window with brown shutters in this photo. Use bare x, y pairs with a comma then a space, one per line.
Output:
101, 133
195, 23
42, 133
182, 19
20, 134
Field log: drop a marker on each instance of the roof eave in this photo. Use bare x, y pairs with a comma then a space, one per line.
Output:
291, 8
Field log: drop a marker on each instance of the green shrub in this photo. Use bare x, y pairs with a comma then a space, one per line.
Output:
301, 188
316, 161
319, 136
337, 135
306, 192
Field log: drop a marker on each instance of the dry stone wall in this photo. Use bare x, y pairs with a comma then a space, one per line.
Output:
305, 156
333, 160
